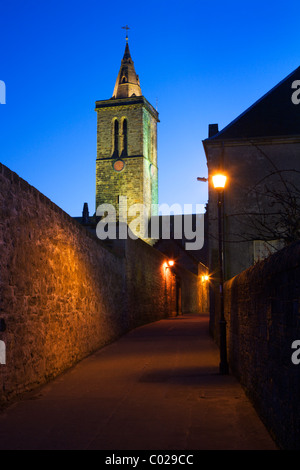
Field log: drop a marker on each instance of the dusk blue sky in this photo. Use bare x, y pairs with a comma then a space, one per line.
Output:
201, 62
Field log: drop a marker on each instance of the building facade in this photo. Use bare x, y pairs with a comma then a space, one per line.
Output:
126, 165
260, 154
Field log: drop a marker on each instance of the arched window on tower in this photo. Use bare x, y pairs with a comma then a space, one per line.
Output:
149, 140
115, 138
153, 146
124, 138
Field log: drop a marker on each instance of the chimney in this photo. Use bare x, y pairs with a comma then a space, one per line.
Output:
85, 214
213, 129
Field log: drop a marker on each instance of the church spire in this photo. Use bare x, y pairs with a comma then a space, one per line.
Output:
127, 83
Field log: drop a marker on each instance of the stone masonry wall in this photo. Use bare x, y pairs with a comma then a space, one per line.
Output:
105, 116
112, 184
194, 290
263, 319
63, 293
150, 286
138, 181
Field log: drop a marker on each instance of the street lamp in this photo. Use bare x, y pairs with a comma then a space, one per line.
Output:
219, 182
169, 264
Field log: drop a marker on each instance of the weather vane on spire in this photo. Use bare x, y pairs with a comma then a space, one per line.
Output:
127, 28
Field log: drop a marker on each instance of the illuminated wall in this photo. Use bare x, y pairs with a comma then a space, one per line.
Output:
262, 313
63, 293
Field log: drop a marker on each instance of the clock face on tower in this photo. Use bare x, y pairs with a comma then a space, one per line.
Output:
118, 165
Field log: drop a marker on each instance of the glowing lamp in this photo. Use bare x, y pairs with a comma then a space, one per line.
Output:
219, 181
205, 278
169, 264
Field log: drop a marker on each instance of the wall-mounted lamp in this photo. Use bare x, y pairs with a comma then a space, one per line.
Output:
219, 181
169, 264
205, 278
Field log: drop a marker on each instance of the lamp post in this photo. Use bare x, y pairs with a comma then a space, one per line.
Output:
219, 182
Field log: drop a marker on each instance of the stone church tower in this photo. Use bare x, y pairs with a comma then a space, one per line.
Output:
126, 162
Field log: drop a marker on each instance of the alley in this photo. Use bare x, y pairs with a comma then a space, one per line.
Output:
155, 388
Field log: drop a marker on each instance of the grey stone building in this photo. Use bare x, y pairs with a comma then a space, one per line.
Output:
260, 154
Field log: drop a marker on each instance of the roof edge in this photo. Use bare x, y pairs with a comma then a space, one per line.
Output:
219, 134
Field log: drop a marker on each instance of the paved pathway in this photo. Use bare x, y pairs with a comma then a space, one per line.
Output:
156, 388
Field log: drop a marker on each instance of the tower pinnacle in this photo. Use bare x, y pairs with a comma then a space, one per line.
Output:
127, 83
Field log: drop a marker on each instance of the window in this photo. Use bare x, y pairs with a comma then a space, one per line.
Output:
149, 141
115, 139
124, 137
